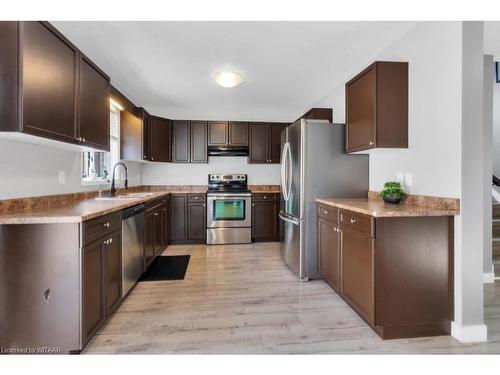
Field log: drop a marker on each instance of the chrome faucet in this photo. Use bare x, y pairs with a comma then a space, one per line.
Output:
113, 188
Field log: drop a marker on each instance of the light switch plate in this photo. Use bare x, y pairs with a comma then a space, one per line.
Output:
62, 177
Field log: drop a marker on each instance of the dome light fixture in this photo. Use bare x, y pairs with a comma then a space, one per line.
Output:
228, 79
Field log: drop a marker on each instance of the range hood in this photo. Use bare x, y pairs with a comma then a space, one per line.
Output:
228, 151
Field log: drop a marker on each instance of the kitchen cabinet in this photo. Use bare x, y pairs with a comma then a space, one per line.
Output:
199, 152
377, 107
113, 275
69, 102
188, 218
218, 133
189, 141
265, 219
265, 142
160, 139
94, 297
93, 119
395, 272
222, 133
156, 237
149, 238
329, 252
357, 272
165, 222
319, 114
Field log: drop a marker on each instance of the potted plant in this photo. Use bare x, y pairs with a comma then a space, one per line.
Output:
392, 193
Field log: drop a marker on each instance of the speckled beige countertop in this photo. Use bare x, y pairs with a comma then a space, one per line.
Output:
377, 208
78, 207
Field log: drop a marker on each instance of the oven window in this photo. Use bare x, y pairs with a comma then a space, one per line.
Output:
233, 209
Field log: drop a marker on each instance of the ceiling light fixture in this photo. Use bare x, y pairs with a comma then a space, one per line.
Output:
228, 79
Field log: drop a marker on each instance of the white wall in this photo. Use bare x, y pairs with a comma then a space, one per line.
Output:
433, 50
30, 170
489, 78
197, 174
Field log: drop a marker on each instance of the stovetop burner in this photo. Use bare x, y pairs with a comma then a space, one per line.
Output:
227, 183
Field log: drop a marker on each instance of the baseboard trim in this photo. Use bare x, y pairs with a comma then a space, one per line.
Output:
488, 277
472, 333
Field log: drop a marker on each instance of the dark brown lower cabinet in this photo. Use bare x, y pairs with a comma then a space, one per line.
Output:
113, 276
188, 218
395, 272
158, 230
357, 272
329, 252
94, 298
265, 219
149, 238
165, 220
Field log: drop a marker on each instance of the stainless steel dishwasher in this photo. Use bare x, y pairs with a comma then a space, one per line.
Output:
132, 246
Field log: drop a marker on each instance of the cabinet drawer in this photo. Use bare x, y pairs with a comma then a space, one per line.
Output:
195, 198
358, 222
101, 226
329, 213
264, 197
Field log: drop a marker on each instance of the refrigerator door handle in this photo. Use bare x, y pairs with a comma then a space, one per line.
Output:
288, 218
283, 180
290, 171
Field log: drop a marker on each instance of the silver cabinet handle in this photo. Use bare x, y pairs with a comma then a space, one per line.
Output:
203, 204
196, 198
110, 240
326, 212
353, 221
156, 213
371, 143
145, 157
152, 158
83, 139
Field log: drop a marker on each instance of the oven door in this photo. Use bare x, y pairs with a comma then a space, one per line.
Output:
225, 211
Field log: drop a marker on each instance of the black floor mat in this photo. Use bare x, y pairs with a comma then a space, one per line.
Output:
172, 267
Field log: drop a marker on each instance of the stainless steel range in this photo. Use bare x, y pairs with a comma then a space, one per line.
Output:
229, 216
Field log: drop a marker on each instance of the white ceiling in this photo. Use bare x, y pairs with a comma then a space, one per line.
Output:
167, 67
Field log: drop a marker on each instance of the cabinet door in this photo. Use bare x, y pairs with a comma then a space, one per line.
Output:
197, 216
178, 217
131, 133
113, 278
146, 134
158, 232
259, 143
149, 237
238, 133
217, 133
361, 111
265, 221
329, 252
49, 83
160, 140
93, 101
94, 299
199, 142
181, 142
165, 217
275, 151
357, 272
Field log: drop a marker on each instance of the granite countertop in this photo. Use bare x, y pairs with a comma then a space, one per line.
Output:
77, 211
377, 208
68, 209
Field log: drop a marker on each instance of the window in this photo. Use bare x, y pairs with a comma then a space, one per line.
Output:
97, 166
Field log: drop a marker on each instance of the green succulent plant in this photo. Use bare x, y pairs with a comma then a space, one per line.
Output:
392, 189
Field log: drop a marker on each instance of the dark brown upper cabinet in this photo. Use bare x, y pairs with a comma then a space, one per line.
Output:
217, 133
318, 114
189, 141
93, 105
377, 107
58, 92
160, 142
222, 133
265, 142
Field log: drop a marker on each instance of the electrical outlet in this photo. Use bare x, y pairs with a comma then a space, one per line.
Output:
408, 179
62, 177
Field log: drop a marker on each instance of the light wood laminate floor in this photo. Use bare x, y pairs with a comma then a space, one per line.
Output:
243, 299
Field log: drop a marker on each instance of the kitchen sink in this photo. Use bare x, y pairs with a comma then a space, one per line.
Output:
123, 196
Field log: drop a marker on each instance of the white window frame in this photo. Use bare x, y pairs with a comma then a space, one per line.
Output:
104, 181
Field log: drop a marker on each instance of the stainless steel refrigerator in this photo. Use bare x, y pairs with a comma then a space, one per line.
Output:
313, 165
